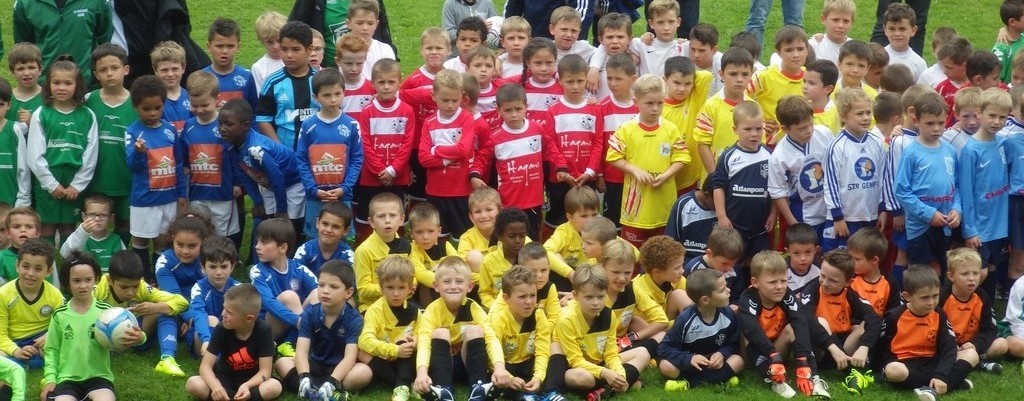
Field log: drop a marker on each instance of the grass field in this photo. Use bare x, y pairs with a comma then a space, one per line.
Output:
136, 380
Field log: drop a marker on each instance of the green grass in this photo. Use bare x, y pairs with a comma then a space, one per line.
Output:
977, 20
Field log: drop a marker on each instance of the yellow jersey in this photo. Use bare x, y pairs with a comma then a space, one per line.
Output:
644, 287
567, 243
474, 240
521, 342
627, 305
425, 261
653, 149
828, 117
384, 326
145, 293
684, 115
715, 126
438, 316
547, 301
368, 255
21, 318
588, 346
494, 265
770, 85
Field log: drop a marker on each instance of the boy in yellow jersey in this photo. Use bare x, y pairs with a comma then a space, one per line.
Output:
581, 205
28, 302
510, 230
714, 130
425, 224
819, 84
455, 339
648, 329
484, 204
595, 234
388, 343
533, 256
123, 286
770, 85
651, 151
386, 216
662, 280
854, 62
524, 332
585, 331
686, 90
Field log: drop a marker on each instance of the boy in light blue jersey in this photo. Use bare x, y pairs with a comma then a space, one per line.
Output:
213, 180
206, 303
286, 98
926, 186
329, 150
985, 184
234, 81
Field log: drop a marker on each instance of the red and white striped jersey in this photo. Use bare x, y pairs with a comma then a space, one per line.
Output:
446, 151
579, 134
387, 134
358, 96
614, 114
518, 156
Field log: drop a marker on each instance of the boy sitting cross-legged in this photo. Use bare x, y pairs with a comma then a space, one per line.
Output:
969, 308
28, 302
704, 343
455, 339
285, 286
123, 286
241, 352
325, 354
772, 322
388, 343
918, 348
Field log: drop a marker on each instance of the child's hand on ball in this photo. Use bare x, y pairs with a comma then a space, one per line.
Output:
133, 337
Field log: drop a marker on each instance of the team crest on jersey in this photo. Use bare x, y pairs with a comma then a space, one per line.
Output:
340, 333
627, 316
550, 100
534, 144
293, 284
665, 149
587, 122
510, 346
343, 130
602, 341
46, 310
169, 134
257, 154
240, 81
764, 170
398, 125
720, 339
950, 164
864, 168
812, 176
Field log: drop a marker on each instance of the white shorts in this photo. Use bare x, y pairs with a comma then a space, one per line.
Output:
224, 215
151, 221
296, 196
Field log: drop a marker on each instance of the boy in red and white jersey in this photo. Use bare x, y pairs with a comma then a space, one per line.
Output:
350, 55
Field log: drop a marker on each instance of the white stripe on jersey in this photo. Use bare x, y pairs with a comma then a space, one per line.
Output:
518, 147
388, 125
445, 136
574, 122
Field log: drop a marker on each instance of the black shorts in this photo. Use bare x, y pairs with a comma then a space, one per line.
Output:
995, 252
363, 195
522, 370
922, 370
613, 202
1017, 221
230, 381
80, 390
555, 215
928, 247
454, 213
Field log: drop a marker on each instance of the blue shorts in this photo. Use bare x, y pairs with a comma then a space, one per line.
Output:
829, 239
928, 247
1016, 221
36, 361
994, 253
899, 238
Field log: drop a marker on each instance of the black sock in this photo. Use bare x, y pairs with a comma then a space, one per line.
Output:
476, 361
254, 393
651, 345
958, 373
440, 369
290, 381
557, 365
383, 371
632, 374
405, 371
147, 263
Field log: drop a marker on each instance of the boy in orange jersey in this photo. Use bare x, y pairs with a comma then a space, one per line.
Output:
969, 308
867, 247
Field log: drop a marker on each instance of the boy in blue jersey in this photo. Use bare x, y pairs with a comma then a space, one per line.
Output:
329, 151
168, 60
692, 218
703, 345
724, 248
926, 186
985, 184
325, 354
286, 98
332, 224
272, 176
740, 180
206, 302
158, 182
223, 41
213, 181
795, 174
177, 270
285, 286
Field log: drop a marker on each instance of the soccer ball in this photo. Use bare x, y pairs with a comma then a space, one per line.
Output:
111, 327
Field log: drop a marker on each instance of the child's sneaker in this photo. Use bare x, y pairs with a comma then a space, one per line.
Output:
991, 367
529, 397
601, 393
733, 382
783, 389
480, 391
820, 390
553, 396
856, 382
968, 385
169, 366
677, 385
286, 350
926, 394
440, 393
400, 393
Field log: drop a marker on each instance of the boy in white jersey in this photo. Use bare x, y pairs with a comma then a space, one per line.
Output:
837, 17
795, 174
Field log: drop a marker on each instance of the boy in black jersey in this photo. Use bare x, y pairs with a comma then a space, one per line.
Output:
773, 323
703, 346
918, 347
